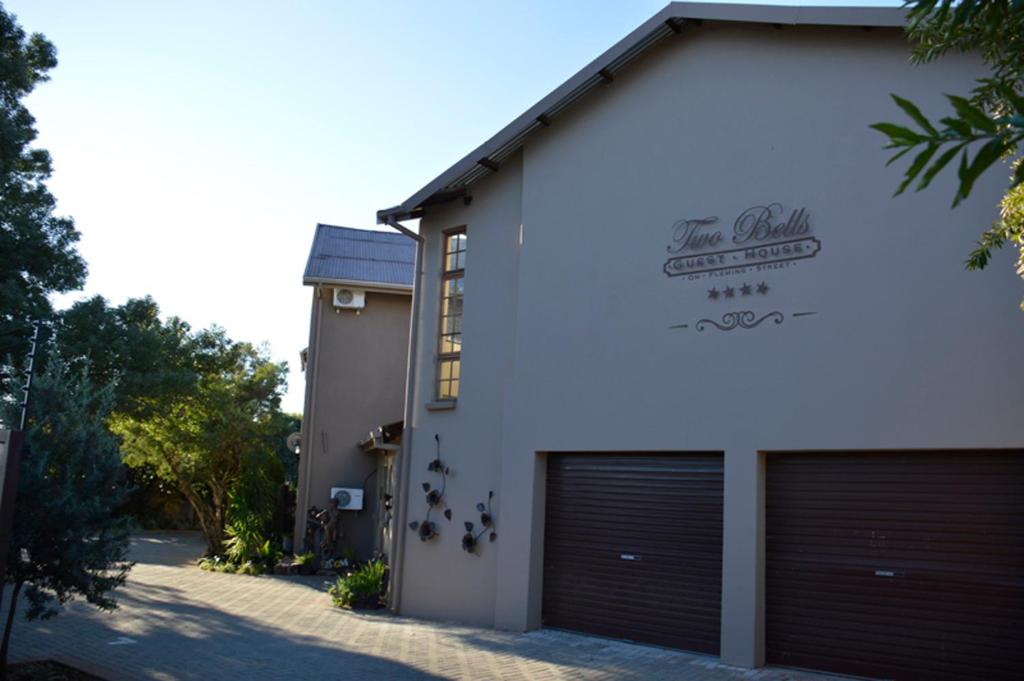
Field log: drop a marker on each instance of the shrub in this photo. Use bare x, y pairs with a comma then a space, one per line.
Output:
251, 547
361, 588
243, 543
250, 568
307, 558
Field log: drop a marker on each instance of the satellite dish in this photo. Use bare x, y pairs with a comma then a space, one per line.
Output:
294, 442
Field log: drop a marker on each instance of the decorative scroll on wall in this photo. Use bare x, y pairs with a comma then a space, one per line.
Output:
740, 319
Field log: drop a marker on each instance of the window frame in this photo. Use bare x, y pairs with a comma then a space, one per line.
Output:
450, 356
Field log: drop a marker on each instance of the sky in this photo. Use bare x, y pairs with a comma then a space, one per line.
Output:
198, 144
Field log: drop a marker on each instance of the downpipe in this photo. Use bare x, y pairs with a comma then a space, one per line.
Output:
402, 470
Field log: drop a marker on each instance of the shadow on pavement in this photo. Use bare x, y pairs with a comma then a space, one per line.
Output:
163, 631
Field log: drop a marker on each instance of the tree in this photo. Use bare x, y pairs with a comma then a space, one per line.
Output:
68, 539
990, 122
161, 369
129, 346
198, 440
39, 255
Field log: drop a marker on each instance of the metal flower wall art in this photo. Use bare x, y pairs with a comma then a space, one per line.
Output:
471, 541
426, 528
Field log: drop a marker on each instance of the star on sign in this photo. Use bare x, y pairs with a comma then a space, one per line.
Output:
745, 289
713, 294
762, 288
729, 291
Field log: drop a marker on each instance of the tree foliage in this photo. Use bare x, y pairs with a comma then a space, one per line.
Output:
199, 440
130, 347
982, 129
197, 411
68, 539
37, 247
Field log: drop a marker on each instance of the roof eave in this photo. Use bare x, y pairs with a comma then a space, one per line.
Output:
355, 283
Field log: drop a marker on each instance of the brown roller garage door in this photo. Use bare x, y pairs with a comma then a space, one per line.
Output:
896, 565
633, 547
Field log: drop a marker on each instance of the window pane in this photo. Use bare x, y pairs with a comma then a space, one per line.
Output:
451, 306
454, 252
447, 389
451, 325
450, 343
453, 287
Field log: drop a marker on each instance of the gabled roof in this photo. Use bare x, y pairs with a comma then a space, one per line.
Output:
343, 255
674, 20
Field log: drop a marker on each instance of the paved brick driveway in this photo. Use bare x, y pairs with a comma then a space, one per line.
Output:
178, 622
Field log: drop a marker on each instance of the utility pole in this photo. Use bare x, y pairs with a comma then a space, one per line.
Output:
11, 444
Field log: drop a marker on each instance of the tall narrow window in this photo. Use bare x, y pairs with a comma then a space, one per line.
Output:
449, 354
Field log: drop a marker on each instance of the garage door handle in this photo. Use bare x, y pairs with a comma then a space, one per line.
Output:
889, 573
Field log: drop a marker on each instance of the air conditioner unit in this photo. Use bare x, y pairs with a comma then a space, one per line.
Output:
349, 298
349, 498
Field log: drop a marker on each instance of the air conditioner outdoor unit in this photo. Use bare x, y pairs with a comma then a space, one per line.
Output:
349, 298
349, 498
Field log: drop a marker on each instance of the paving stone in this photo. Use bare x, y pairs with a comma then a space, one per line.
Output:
179, 623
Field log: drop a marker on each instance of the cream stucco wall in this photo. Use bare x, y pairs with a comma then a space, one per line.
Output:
568, 338
355, 382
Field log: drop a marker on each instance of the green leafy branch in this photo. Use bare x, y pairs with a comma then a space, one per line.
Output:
999, 136
992, 28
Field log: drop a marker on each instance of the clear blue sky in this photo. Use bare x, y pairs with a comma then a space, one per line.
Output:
197, 144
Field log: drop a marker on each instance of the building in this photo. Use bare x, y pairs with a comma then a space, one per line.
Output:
355, 376
729, 394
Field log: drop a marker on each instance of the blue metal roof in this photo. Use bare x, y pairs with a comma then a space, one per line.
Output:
347, 255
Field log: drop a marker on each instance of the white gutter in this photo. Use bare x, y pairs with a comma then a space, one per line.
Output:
401, 517
372, 286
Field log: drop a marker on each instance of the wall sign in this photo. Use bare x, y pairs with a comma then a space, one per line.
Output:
762, 238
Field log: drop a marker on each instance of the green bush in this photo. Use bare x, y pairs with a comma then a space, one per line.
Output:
245, 543
361, 588
216, 564
307, 558
250, 568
